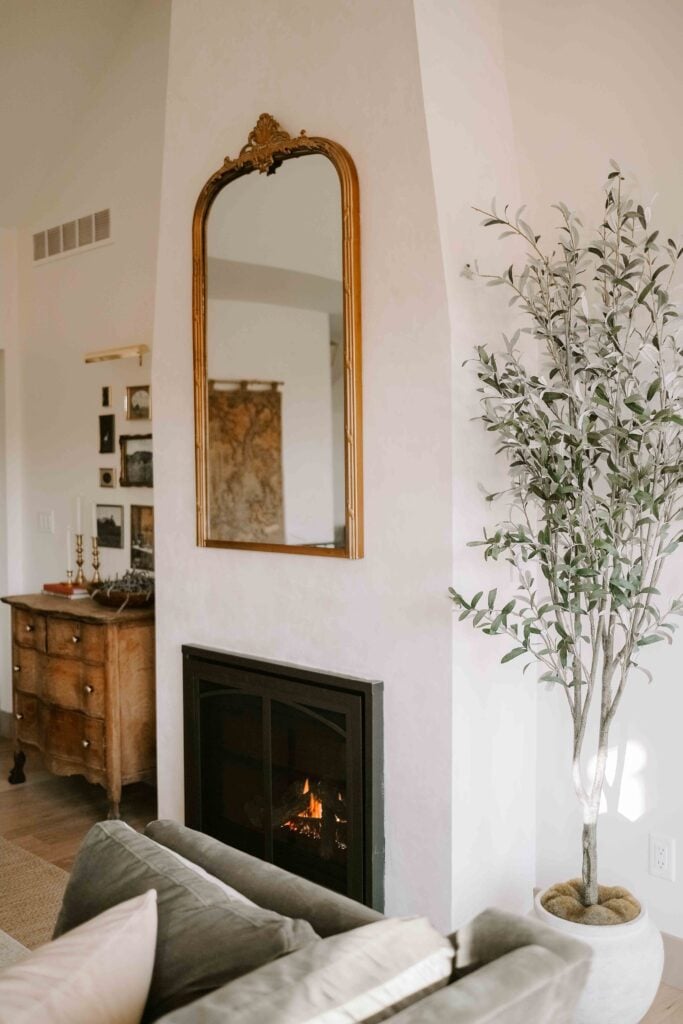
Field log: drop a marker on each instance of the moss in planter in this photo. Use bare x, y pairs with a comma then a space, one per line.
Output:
615, 905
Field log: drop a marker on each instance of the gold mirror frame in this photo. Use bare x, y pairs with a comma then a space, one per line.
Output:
267, 146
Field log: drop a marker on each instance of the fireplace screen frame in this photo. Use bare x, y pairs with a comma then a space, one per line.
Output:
208, 673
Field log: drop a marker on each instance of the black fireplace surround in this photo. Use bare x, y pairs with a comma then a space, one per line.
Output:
286, 763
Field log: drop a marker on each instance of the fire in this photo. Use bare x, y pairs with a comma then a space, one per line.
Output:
315, 806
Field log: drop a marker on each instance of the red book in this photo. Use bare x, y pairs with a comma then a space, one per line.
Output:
64, 590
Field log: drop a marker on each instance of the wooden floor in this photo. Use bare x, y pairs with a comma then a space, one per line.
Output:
49, 815
667, 1008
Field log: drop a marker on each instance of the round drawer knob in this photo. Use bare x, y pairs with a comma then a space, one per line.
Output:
85, 743
18, 716
75, 639
16, 668
29, 628
88, 688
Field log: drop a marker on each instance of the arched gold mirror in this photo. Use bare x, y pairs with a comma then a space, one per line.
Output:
277, 349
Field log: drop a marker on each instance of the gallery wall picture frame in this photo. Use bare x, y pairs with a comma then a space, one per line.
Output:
139, 402
106, 397
142, 537
136, 460
109, 526
107, 477
107, 434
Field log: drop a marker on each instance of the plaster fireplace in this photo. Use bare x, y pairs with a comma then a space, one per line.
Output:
286, 764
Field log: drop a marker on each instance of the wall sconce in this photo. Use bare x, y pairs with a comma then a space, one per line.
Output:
125, 352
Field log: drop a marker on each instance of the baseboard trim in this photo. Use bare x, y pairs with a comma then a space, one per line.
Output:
673, 961
5, 724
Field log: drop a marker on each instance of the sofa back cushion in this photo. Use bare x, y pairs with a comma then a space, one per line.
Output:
361, 975
205, 938
268, 885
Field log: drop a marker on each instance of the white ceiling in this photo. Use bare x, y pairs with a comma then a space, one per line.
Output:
52, 55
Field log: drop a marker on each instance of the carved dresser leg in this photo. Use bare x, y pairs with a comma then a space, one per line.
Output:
16, 774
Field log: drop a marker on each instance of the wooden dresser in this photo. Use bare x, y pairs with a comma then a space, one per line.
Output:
83, 690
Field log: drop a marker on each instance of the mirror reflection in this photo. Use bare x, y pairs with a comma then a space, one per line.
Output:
275, 358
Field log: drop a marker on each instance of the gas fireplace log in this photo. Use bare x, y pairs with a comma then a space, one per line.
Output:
290, 808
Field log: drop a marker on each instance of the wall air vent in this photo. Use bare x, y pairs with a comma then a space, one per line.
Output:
74, 236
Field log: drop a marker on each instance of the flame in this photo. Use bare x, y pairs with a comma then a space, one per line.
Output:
315, 806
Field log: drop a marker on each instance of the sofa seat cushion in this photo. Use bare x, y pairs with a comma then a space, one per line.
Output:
362, 975
97, 974
205, 938
11, 951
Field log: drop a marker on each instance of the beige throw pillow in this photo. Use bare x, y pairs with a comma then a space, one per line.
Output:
363, 975
99, 973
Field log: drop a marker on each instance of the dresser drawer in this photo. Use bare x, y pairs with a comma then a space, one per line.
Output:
27, 669
68, 638
74, 684
28, 629
73, 736
26, 717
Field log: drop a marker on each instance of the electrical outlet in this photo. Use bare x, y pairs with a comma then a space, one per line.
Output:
46, 521
663, 857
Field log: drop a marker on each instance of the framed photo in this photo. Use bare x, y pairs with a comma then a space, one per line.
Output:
107, 434
138, 402
110, 526
106, 397
107, 478
136, 460
142, 537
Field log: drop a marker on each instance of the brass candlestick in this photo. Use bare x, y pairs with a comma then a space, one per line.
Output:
69, 576
80, 578
96, 578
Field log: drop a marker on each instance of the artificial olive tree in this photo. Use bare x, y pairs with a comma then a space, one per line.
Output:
585, 401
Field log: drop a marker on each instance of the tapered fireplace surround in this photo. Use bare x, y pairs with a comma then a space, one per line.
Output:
286, 763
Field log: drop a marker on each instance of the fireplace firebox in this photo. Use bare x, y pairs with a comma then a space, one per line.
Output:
286, 763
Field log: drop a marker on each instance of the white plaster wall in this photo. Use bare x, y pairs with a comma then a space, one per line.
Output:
588, 82
473, 158
326, 65
11, 485
254, 341
91, 300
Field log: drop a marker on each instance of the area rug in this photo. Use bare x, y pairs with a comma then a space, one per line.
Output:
31, 892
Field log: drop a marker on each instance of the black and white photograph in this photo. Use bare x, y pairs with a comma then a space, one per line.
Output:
136, 460
110, 526
142, 537
107, 478
138, 402
107, 434
106, 397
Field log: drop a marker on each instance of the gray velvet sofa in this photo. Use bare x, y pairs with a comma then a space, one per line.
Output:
509, 970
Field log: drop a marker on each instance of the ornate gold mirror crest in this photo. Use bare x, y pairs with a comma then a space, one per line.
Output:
277, 348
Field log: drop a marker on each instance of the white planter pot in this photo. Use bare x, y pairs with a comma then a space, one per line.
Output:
626, 968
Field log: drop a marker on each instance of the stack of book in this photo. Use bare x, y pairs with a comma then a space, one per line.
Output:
69, 590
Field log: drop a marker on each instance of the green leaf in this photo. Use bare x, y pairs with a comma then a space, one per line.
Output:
646, 291
653, 389
514, 653
492, 597
550, 677
649, 640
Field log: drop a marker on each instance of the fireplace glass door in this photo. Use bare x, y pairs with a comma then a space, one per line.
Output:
276, 768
